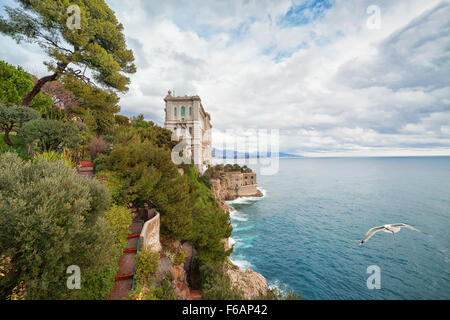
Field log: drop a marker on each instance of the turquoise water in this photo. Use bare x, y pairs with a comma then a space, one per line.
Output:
305, 232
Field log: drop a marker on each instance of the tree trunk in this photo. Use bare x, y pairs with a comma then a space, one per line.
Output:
6, 138
38, 86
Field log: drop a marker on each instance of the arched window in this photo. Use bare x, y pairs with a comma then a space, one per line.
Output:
190, 111
175, 111
183, 111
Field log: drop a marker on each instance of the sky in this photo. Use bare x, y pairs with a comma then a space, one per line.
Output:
330, 76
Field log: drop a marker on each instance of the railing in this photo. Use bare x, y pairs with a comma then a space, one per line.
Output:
133, 283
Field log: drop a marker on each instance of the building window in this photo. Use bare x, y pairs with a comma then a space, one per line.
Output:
175, 111
183, 111
190, 111
190, 131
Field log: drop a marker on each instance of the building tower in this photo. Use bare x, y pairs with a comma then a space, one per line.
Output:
186, 117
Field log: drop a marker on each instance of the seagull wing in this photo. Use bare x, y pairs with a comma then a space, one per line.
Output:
370, 233
407, 226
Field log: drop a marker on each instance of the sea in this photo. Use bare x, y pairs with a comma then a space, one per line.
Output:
304, 233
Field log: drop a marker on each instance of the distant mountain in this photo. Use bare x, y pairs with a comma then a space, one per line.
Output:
230, 154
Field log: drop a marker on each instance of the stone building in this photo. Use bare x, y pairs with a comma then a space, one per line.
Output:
240, 184
187, 118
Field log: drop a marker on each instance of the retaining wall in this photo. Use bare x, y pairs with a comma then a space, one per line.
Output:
149, 238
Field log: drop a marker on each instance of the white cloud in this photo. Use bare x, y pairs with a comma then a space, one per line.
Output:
331, 85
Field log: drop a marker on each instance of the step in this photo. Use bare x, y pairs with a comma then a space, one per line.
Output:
119, 277
134, 235
129, 250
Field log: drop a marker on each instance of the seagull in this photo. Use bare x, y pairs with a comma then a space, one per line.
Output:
394, 228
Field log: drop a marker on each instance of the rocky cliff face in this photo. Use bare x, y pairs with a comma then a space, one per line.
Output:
252, 284
220, 192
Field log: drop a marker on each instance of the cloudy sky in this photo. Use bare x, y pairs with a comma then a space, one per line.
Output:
321, 72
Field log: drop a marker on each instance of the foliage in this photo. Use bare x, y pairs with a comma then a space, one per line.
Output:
97, 146
146, 266
165, 291
61, 96
121, 120
96, 106
216, 284
99, 44
281, 292
141, 163
12, 118
215, 171
180, 257
18, 147
15, 83
54, 156
47, 134
45, 232
119, 218
117, 186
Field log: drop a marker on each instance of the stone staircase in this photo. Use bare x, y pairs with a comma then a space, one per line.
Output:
123, 281
86, 168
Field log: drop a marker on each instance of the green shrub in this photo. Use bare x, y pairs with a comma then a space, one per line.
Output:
46, 135
215, 283
179, 258
54, 156
119, 218
117, 185
12, 117
165, 291
146, 266
52, 218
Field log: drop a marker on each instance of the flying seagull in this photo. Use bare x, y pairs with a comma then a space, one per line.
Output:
394, 228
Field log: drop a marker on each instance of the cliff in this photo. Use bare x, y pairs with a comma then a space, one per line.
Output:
219, 190
252, 284
223, 192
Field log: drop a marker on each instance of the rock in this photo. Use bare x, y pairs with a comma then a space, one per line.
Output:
252, 284
220, 194
179, 273
189, 251
164, 268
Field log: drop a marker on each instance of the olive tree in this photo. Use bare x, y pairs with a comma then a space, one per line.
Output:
52, 218
12, 117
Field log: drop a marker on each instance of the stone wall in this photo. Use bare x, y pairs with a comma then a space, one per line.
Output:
248, 191
149, 237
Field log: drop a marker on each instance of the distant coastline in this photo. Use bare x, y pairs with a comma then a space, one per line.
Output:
232, 154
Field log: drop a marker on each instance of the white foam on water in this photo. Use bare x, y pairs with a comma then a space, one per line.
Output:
241, 263
247, 200
231, 241
236, 215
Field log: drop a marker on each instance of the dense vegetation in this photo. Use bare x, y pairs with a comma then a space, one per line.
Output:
50, 217
99, 44
139, 170
53, 218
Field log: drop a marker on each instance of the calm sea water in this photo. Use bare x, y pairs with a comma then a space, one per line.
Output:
305, 232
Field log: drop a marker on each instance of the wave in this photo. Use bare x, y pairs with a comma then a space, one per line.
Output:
247, 200
241, 262
236, 215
